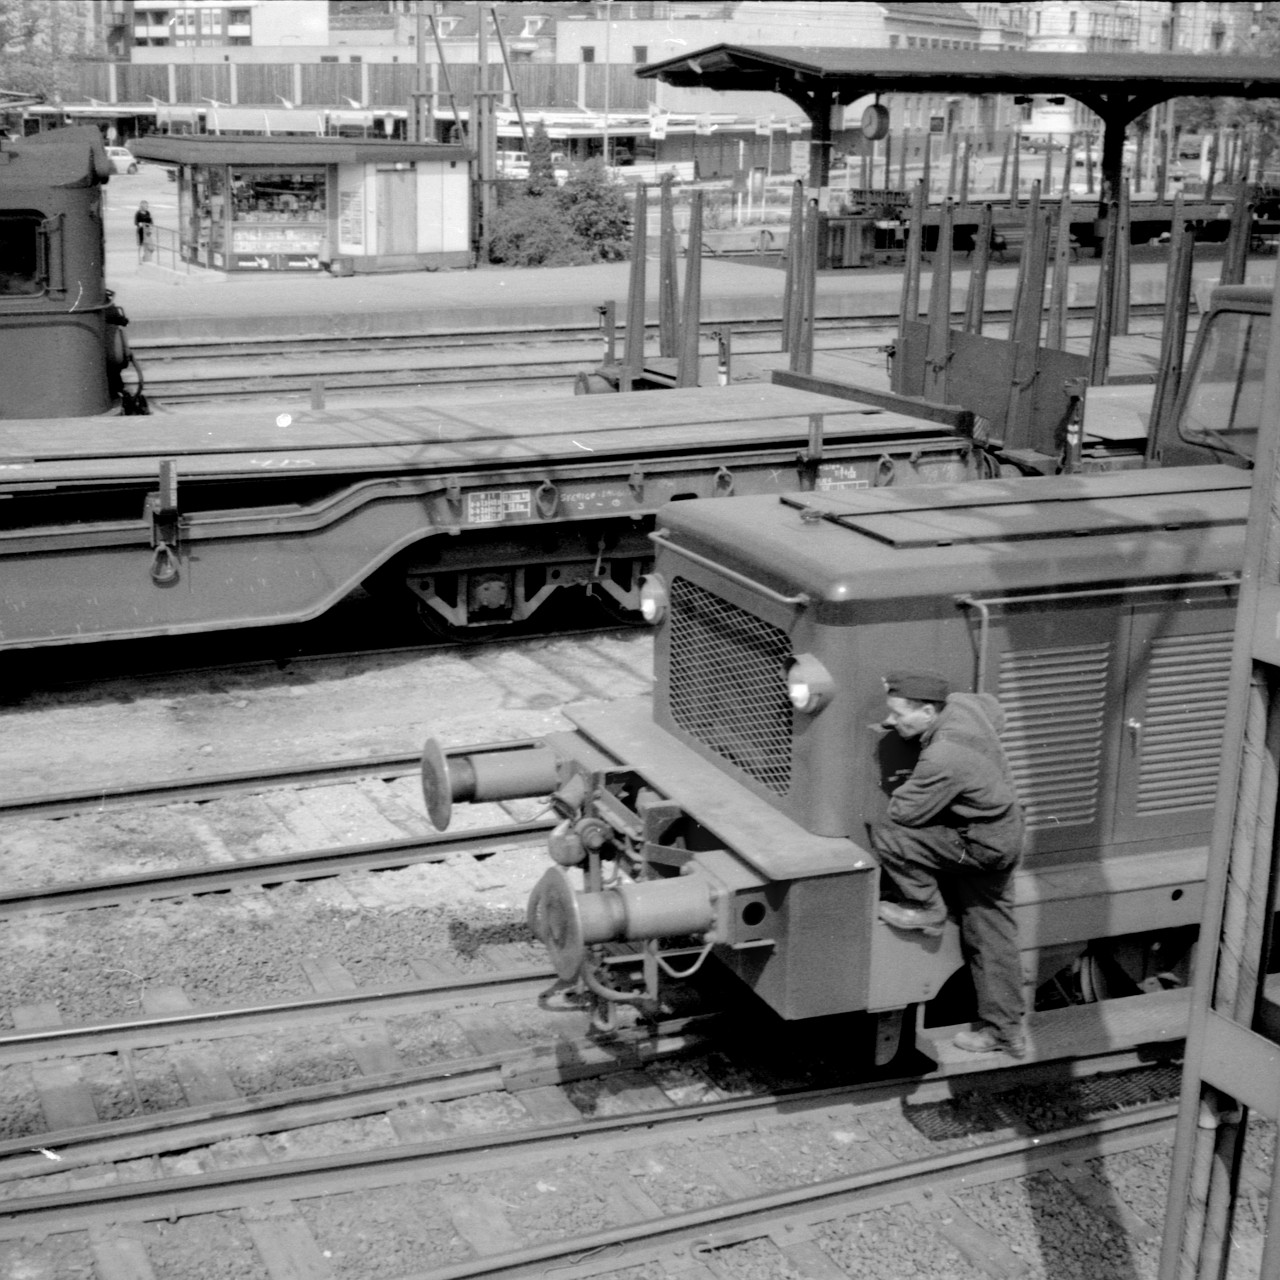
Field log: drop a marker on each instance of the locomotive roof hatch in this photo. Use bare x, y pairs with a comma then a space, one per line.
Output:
72, 157
835, 549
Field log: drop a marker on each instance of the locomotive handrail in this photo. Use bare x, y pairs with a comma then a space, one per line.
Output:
800, 601
983, 606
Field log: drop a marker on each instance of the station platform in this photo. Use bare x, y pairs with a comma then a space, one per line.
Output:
166, 305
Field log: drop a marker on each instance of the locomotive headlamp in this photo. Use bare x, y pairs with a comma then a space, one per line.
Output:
653, 598
809, 684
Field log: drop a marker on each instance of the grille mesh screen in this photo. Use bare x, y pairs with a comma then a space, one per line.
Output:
1183, 721
1053, 701
727, 683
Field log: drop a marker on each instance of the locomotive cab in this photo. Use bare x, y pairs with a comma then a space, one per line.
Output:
62, 344
732, 814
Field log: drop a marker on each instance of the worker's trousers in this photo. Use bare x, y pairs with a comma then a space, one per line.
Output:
933, 868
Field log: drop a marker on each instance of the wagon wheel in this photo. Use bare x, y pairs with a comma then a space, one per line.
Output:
435, 624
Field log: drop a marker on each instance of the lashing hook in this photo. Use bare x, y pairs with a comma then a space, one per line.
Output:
547, 499
164, 564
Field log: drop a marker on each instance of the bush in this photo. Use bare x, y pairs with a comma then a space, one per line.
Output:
530, 231
586, 220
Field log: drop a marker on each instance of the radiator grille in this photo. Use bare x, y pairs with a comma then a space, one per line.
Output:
728, 685
1053, 701
1182, 723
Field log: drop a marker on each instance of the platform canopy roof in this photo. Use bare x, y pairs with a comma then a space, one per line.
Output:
1138, 79
257, 149
1117, 87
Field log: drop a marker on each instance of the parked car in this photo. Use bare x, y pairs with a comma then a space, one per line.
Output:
122, 160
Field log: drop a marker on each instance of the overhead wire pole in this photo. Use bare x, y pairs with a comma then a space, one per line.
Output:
511, 80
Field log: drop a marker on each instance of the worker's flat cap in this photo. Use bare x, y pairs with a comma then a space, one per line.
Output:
923, 686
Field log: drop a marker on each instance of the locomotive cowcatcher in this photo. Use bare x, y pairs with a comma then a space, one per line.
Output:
733, 811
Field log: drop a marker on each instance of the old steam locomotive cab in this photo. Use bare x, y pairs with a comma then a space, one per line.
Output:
730, 816
62, 344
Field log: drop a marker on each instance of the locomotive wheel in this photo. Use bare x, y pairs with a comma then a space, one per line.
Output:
1138, 963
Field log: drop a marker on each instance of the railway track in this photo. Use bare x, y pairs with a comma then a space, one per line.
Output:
194, 371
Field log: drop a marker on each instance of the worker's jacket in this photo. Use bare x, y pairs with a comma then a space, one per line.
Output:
962, 780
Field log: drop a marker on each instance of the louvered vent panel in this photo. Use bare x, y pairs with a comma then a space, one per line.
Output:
1182, 723
728, 685
1053, 701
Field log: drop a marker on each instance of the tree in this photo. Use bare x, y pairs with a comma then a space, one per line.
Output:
542, 170
597, 211
39, 43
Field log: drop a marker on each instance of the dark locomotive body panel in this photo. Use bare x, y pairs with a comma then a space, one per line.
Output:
61, 346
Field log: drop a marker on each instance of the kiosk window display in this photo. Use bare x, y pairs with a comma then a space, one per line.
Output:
278, 219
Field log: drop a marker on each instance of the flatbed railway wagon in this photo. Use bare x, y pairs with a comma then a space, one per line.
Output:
180, 524
731, 812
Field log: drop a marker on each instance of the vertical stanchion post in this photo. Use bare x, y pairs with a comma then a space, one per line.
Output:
668, 290
802, 354
690, 329
1100, 337
910, 308
1173, 335
1056, 335
633, 343
1120, 300
937, 358
1235, 258
795, 246
975, 304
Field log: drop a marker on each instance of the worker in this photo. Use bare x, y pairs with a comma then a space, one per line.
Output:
142, 225
953, 837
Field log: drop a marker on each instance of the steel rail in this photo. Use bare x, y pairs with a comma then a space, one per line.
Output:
702, 1231
221, 1021
314, 864
179, 349
232, 1189
511, 1070
174, 790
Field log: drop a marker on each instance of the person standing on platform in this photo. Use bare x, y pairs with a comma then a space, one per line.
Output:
955, 827
142, 225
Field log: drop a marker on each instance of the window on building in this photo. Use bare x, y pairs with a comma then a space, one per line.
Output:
893, 42
588, 53
531, 28
241, 40
911, 42
1071, 22
355, 57
640, 53
238, 17
328, 57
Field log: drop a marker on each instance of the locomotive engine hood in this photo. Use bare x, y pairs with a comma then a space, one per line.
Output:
844, 586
